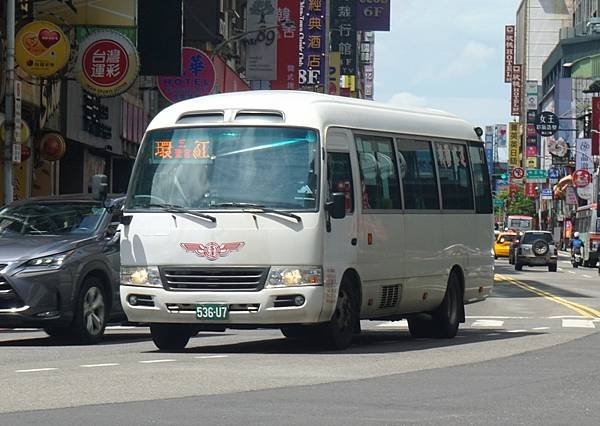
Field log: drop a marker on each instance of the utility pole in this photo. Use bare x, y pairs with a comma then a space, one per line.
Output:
9, 118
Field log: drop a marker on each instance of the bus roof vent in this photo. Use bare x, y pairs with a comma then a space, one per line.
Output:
201, 117
262, 116
389, 296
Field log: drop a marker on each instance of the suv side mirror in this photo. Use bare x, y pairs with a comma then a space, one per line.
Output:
337, 205
99, 187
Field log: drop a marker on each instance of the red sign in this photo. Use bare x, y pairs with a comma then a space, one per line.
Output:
509, 52
582, 178
516, 90
513, 188
197, 77
288, 17
518, 173
531, 150
105, 63
595, 126
530, 190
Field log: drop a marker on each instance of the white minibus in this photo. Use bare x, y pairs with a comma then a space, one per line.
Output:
304, 212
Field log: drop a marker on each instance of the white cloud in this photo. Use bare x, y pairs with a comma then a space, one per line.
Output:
474, 57
405, 99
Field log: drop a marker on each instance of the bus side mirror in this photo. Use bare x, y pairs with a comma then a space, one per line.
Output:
337, 205
99, 187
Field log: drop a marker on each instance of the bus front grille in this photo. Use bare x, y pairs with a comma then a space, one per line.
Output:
213, 279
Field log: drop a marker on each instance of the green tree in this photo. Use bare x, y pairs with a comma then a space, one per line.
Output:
517, 203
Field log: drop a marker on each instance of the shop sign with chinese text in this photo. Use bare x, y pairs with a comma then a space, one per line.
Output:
583, 155
197, 77
343, 34
516, 88
41, 49
373, 15
514, 144
489, 147
107, 63
530, 190
536, 175
312, 45
509, 52
595, 125
288, 15
261, 40
546, 123
500, 135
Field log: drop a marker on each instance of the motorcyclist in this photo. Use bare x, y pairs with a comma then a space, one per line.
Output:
576, 244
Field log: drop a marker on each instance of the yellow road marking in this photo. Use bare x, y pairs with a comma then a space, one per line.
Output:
577, 307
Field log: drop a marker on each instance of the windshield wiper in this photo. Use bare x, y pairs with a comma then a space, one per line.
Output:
249, 207
172, 208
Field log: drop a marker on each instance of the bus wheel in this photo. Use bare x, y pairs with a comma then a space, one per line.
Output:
447, 316
339, 331
170, 336
421, 328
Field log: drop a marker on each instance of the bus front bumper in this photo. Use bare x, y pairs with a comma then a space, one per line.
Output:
265, 307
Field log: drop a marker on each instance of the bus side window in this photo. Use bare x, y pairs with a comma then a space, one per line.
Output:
455, 176
418, 175
481, 180
339, 177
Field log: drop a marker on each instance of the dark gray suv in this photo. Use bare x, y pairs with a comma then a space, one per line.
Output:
59, 265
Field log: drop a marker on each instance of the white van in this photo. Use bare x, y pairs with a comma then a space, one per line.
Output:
304, 212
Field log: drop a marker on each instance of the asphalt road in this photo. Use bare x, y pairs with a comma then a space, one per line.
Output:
527, 355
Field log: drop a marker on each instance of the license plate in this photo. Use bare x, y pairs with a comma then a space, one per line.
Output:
212, 311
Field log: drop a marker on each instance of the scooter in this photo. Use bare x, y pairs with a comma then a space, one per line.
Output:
576, 258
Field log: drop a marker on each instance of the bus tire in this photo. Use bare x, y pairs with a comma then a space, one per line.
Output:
338, 333
170, 336
421, 328
447, 316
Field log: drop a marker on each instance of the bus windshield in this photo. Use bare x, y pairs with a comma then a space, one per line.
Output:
212, 167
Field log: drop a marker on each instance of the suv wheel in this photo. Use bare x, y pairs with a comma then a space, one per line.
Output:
91, 312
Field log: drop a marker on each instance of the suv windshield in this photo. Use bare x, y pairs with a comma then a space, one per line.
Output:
530, 237
204, 168
53, 218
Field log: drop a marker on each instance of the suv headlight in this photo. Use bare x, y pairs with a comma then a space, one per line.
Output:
146, 276
48, 262
290, 276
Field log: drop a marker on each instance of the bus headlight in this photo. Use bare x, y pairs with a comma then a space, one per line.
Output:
145, 276
290, 276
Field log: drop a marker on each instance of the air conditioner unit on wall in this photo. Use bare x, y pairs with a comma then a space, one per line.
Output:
593, 25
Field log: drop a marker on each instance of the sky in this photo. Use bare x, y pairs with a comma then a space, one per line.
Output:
448, 55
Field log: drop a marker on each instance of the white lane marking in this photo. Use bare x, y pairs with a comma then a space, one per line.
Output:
541, 328
154, 361
586, 276
121, 327
211, 356
560, 269
110, 364
516, 331
578, 323
494, 317
568, 317
34, 370
401, 323
570, 272
487, 323
493, 334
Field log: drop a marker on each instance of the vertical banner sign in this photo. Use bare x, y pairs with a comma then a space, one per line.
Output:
373, 15
509, 52
288, 15
334, 73
531, 91
530, 190
501, 135
514, 144
515, 99
18, 123
596, 125
369, 74
583, 155
261, 41
312, 43
343, 33
489, 148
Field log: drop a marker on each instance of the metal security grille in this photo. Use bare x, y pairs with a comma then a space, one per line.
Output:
213, 279
389, 296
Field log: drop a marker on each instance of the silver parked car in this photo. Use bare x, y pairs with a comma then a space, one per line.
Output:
59, 265
536, 248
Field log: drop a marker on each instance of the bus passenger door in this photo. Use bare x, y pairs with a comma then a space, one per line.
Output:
340, 245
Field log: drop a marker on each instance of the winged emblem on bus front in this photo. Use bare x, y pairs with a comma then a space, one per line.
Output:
212, 250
